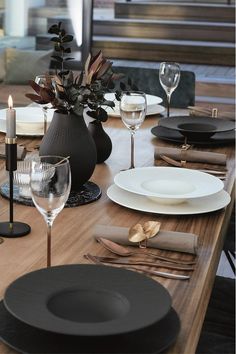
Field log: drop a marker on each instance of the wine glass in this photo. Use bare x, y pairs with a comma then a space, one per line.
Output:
169, 75
133, 107
45, 81
50, 182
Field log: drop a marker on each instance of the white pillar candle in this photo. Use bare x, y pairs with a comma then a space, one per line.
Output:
10, 120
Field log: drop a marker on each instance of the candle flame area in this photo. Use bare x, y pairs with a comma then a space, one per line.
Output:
10, 102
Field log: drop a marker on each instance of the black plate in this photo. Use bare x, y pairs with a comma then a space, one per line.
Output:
174, 136
30, 340
87, 300
197, 128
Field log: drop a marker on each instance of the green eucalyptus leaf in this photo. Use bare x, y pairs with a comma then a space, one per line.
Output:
101, 114
67, 38
55, 39
92, 114
86, 90
118, 95
54, 29
63, 32
109, 103
67, 50
57, 48
57, 58
92, 105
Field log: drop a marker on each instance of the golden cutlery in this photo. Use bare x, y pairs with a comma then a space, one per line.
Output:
124, 252
114, 260
146, 271
170, 161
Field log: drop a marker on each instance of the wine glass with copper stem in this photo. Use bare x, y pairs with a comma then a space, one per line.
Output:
169, 76
50, 182
46, 80
133, 107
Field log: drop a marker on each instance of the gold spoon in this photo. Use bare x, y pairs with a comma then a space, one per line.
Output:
124, 252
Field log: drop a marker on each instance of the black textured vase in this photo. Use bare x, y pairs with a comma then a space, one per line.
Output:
68, 135
102, 140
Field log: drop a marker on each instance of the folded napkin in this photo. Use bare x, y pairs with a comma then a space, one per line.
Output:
21, 152
190, 155
210, 112
166, 240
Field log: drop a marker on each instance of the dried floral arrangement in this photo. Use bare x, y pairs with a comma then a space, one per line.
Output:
68, 93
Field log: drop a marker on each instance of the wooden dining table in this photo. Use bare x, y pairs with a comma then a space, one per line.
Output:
72, 232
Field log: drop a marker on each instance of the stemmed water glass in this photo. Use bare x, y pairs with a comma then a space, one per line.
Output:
50, 182
45, 81
169, 75
133, 107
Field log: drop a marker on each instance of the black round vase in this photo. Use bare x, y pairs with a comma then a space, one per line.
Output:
102, 140
68, 135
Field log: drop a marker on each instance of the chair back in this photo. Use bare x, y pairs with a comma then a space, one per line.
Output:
147, 80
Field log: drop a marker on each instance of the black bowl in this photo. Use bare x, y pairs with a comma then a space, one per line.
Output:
197, 131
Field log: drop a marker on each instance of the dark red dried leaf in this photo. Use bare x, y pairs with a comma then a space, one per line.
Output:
36, 98
35, 86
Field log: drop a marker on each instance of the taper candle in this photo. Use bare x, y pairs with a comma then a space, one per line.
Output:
10, 120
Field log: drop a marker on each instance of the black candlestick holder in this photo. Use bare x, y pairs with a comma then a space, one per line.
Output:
11, 228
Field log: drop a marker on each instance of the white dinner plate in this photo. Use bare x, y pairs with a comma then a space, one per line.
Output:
29, 120
167, 184
153, 106
192, 206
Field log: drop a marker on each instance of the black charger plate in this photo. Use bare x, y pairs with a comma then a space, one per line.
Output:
87, 300
197, 128
166, 134
30, 340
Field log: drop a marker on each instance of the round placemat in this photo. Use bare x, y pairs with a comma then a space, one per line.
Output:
90, 192
87, 300
30, 340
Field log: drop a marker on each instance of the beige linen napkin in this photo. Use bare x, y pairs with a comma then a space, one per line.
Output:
190, 155
210, 112
21, 152
166, 240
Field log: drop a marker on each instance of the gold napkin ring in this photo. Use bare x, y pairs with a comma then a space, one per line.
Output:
143, 243
214, 112
183, 150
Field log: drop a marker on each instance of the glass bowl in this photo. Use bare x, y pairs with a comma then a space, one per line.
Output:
21, 178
